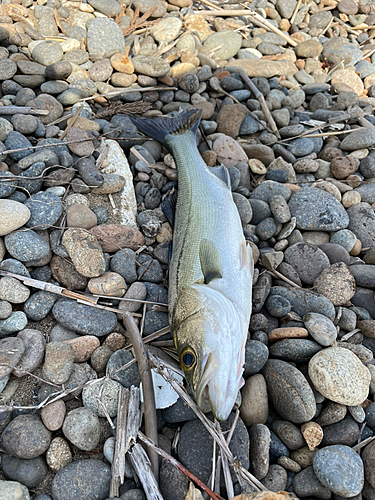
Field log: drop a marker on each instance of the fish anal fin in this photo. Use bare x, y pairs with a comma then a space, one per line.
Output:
246, 257
210, 261
169, 207
222, 174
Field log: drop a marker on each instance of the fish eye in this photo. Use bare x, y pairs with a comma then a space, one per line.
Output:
187, 359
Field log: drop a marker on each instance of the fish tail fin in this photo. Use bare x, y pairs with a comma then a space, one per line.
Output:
161, 127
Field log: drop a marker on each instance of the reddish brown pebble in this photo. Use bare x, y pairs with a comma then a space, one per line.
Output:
53, 415
113, 237
115, 341
83, 347
342, 166
287, 333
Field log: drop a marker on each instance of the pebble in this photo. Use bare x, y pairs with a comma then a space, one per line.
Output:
195, 446
308, 261
82, 428
127, 377
306, 484
13, 215
283, 383
337, 283
30, 472
53, 415
254, 406
109, 393
340, 469
14, 490
83, 319
35, 344
320, 328
322, 212
85, 479
26, 437
26, 246
338, 375
368, 460
85, 252
58, 363
259, 450
58, 455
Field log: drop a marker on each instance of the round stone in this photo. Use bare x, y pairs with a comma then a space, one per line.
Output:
85, 252
339, 375
254, 405
8, 69
308, 260
320, 328
317, 210
289, 391
107, 392
82, 428
167, 29
84, 319
13, 215
45, 209
26, 246
337, 283
230, 42
28, 472
35, 344
47, 52
58, 455
150, 66
58, 363
104, 36
340, 469
25, 437
53, 415
84, 479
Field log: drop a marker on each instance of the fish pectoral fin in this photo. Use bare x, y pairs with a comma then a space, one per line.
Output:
221, 173
169, 207
210, 261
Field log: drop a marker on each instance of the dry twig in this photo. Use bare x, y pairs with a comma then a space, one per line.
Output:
147, 387
128, 108
141, 22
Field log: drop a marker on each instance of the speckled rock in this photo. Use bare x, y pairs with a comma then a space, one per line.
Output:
337, 283
85, 252
320, 328
340, 469
85, 479
84, 319
109, 393
58, 363
82, 428
25, 437
339, 375
321, 211
308, 260
283, 383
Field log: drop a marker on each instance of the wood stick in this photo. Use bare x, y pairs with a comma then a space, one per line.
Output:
179, 466
24, 110
142, 465
248, 13
118, 462
147, 386
58, 290
295, 12
133, 421
258, 95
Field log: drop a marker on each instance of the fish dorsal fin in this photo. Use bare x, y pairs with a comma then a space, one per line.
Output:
210, 261
169, 207
221, 173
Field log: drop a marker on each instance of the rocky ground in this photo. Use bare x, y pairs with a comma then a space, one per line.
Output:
80, 194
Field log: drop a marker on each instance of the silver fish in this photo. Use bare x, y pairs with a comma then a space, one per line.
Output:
211, 270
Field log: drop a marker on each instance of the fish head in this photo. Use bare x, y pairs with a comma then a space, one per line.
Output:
210, 341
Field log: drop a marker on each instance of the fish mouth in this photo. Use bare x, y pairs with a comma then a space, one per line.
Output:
210, 367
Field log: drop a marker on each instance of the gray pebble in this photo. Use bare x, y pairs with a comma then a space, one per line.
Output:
26, 437
82, 428
340, 469
85, 479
